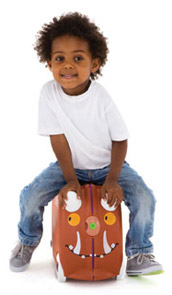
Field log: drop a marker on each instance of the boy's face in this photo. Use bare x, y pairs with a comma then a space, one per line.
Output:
72, 63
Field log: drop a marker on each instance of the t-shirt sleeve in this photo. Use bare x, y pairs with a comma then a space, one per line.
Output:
48, 123
116, 125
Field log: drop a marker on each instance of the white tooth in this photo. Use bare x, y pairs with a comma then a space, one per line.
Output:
78, 244
83, 256
70, 247
107, 249
113, 245
101, 256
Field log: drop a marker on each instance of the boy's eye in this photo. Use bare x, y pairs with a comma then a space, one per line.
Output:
78, 58
59, 58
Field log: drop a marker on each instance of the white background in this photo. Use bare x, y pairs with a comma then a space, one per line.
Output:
138, 75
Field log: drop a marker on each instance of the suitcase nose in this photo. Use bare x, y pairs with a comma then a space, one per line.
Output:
92, 226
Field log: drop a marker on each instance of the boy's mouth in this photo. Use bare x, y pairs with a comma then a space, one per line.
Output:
67, 76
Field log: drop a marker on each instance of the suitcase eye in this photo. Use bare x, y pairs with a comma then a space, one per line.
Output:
73, 219
109, 218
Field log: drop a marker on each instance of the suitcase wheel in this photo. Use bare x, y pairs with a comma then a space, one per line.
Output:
122, 271
59, 271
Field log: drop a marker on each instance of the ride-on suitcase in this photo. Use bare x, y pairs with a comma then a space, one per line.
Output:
87, 237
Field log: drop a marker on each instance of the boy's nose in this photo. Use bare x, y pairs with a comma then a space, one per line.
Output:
68, 66
92, 226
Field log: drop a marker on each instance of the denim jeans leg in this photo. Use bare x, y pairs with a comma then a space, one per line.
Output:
33, 198
141, 203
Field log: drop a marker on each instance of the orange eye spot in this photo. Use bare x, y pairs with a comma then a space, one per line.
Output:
109, 218
73, 219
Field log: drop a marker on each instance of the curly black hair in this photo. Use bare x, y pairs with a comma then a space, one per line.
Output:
73, 24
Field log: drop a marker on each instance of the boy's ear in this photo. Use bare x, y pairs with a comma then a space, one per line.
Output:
96, 63
49, 65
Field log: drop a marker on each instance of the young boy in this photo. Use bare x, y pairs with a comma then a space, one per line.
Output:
89, 139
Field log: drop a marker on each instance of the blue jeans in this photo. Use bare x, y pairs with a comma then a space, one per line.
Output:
137, 197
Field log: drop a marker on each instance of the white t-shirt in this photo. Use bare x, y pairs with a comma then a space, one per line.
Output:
90, 122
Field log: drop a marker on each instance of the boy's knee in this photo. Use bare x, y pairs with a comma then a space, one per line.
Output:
29, 199
144, 198
148, 200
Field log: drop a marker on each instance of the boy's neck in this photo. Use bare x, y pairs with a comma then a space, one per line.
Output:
79, 89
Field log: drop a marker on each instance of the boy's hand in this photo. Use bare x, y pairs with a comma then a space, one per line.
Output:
112, 192
72, 185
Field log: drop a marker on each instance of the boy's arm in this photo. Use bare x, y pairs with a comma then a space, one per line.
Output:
62, 151
118, 154
111, 186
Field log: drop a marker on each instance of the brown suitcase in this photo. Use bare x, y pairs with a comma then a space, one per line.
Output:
87, 237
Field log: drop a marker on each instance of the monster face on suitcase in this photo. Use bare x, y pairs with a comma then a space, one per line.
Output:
87, 236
